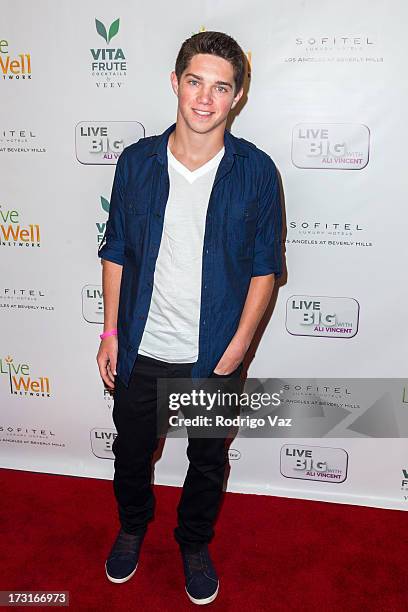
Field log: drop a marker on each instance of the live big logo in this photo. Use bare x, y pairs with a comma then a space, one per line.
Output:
102, 142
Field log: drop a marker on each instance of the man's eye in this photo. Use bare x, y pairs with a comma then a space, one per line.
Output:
220, 88
193, 81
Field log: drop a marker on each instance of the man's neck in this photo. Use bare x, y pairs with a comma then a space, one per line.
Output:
193, 149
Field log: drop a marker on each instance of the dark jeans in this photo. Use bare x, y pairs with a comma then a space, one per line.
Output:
135, 418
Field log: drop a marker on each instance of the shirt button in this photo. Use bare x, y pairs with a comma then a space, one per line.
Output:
206, 251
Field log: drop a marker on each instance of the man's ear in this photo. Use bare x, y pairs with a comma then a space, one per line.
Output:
237, 97
174, 82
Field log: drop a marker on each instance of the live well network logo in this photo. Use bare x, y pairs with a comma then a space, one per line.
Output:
12, 233
108, 64
20, 380
14, 68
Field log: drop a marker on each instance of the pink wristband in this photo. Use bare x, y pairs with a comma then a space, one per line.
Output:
111, 332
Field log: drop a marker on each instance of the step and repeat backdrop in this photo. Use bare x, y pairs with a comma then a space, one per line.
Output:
326, 100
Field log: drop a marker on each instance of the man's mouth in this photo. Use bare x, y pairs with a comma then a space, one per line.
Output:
202, 113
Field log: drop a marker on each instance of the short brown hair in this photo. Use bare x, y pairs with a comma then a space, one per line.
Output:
213, 43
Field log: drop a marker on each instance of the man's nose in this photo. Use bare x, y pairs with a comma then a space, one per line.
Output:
205, 95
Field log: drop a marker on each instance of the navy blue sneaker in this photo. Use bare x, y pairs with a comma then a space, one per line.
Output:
201, 578
124, 556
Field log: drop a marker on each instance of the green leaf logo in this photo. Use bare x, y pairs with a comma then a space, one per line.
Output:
113, 30
100, 28
105, 204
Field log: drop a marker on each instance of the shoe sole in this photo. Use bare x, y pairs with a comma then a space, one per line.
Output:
207, 600
120, 580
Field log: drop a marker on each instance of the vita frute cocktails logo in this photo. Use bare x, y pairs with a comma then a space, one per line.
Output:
21, 380
15, 66
101, 227
15, 233
108, 63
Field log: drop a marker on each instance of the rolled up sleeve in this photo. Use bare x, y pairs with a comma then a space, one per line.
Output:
112, 245
268, 237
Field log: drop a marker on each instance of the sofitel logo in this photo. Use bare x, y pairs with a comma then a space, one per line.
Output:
19, 141
334, 49
12, 233
325, 234
330, 317
20, 380
108, 64
103, 142
331, 146
15, 68
31, 436
335, 41
23, 298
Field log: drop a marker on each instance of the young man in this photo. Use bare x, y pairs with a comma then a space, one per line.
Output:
190, 254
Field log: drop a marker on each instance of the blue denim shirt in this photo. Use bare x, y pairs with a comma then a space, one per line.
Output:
242, 239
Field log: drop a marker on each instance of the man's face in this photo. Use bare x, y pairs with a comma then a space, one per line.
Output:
205, 92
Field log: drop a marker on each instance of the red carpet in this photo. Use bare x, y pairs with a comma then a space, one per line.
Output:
271, 553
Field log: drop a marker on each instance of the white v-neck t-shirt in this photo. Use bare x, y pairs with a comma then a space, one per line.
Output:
172, 326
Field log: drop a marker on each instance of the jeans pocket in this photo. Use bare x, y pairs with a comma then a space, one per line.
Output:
235, 373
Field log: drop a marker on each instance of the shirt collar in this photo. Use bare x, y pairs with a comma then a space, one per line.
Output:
159, 145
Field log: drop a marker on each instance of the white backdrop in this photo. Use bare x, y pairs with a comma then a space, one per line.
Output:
326, 101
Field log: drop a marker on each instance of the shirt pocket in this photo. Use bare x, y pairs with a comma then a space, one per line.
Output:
242, 217
136, 203
136, 219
